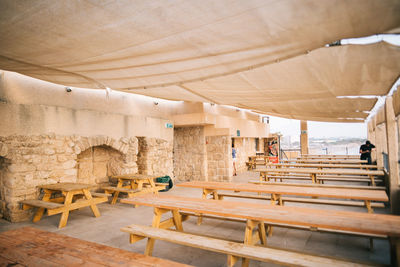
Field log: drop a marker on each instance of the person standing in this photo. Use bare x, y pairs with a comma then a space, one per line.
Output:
234, 161
365, 151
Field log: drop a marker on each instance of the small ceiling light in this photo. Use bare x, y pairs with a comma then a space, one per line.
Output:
68, 89
156, 103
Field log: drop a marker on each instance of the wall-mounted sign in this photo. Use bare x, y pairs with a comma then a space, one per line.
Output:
169, 125
303, 131
237, 132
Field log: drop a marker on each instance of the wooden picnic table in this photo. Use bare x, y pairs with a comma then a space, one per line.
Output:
260, 214
309, 156
323, 165
327, 161
277, 191
133, 184
29, 246
72, 196
314, 173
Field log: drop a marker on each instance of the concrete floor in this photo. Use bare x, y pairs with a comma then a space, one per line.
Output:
105, 230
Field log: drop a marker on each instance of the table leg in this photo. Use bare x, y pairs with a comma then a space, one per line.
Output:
156, 224
177, 220
314, 178
116, 193
65, 214
372, 180
248, 236
368, 206
94, 208
153, 185
40, 211
206, 192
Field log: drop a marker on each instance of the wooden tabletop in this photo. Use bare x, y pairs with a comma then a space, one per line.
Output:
329, 161
359, 222
324, 165
66, 187
28, 246
342, 193
134, 176
323, 171
329, 156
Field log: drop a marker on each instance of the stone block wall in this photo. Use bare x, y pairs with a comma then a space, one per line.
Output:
29, 161
219, 158
245, 147
190, 159
155, 156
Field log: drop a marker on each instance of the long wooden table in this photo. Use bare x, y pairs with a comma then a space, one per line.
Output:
323, 166
133, 184
327, 161
315, 172
29, 246
309, 156
277, 191
72, 196
258, 214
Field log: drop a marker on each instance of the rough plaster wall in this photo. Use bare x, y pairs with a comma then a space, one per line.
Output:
219, 158
190, 160
155, 156
47, 159
245, 147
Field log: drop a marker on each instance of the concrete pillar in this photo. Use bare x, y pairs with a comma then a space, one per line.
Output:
372, 137
392, 148
379, 144
303, 137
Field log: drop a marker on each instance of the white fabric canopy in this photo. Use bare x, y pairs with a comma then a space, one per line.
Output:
255, 54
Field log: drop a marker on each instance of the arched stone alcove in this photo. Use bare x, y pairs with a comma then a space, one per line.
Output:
97, 163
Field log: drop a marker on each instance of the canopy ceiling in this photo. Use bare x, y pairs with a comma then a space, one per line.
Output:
262, 55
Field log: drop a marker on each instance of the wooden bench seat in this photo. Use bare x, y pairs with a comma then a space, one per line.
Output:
97, 194
29, 203
320, 185
119, 189
339, 179
306, 200
237, 250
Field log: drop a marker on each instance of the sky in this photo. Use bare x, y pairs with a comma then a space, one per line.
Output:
289, 127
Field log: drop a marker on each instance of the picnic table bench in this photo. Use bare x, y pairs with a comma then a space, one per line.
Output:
133, 184
330, 156
254, 160
29, 246
256, 217
328, 161
277, 191
315, 173
72, 196
323, 166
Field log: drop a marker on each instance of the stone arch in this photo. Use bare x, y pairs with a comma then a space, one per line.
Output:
99, 157
84, 143
97, 163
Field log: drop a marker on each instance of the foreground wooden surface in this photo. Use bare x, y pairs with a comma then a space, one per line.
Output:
32, 247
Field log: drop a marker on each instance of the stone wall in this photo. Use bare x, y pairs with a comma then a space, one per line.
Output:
155, 156
29, 161
245, 147
190, 159
219, 158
